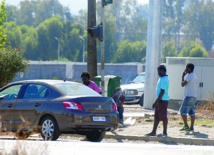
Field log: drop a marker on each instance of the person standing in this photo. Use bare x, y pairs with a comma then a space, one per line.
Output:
161, 103
189, 81
85, 76
119, 99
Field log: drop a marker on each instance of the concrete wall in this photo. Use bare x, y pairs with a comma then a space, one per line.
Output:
59, 70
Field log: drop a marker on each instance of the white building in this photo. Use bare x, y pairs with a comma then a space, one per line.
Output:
204, 70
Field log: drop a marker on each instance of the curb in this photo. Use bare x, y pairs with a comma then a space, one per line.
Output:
189, 141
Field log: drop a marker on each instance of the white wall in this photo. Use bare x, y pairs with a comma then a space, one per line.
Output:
204, 70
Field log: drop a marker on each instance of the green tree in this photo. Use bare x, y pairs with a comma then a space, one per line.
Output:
129, 21
200, 20
173, 20
11, 60
130, 52
29, 42
4, 16
169, 50
71, 43
13, 33
47, 32
47, 9
26, 13
193, 50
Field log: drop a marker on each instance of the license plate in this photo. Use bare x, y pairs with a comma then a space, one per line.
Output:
99, 119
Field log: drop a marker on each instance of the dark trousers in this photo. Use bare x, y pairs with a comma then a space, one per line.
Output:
120, 111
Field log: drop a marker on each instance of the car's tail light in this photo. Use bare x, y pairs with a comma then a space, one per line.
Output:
73, 105
114, 107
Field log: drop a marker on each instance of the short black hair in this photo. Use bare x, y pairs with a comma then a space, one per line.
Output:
85, 74
162, 67
191, 66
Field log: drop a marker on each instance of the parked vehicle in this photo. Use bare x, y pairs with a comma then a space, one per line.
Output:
54, 107
134, 91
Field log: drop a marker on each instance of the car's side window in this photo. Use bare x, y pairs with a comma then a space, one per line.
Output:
44, 92
10, 92
36, 91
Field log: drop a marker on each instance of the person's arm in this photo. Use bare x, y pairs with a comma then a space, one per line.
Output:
97, 89
122, 100
184, 82
159, 98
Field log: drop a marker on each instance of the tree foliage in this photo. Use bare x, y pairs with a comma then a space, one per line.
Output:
11, 60
200, 20
34, 25
169, 50
130, 51
3, 17
193, 50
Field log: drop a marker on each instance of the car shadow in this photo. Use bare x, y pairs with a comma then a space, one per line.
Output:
114, 133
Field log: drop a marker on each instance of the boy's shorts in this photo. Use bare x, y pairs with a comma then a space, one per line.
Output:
161, 111
188, 106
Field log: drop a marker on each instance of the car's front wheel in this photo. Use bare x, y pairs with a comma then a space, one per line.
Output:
96, 136
49, 128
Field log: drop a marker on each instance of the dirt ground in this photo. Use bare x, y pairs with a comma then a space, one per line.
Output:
204, 124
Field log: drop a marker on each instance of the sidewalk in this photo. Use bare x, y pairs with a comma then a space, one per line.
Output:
203, 135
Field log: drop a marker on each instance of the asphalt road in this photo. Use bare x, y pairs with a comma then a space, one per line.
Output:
76, 147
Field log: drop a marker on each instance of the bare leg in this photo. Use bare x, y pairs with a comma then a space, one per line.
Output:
184, 117
155, 126
192, 122
165, 127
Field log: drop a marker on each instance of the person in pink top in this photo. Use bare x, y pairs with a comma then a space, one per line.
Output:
85, 76
91, 84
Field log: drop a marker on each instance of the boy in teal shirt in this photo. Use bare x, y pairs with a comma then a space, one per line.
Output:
161, 103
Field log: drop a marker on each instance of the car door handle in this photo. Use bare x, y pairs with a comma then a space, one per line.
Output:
10, 105
37, 104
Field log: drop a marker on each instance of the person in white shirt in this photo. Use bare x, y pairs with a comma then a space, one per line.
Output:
189, 81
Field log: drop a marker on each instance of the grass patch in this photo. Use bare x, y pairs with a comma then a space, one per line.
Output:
205, 122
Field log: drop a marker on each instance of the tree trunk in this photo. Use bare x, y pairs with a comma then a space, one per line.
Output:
91, 46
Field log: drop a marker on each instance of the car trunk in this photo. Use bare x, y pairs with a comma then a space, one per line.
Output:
96, 104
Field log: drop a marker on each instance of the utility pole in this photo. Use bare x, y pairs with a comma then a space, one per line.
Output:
103, 50
153, 51
58, 47
98, 32
91, 43
83, 48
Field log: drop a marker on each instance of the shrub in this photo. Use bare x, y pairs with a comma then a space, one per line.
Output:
11, 62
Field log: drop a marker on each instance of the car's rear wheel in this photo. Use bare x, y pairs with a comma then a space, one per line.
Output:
49, 128
21, 135
96, 136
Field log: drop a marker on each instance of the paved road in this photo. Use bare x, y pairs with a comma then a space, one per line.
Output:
72, 147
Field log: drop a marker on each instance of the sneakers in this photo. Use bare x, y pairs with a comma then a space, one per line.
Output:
184, 128
190, 130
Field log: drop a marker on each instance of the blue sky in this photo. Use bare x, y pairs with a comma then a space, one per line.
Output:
74, 5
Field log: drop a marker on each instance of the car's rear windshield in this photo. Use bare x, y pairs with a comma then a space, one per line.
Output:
72, 89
